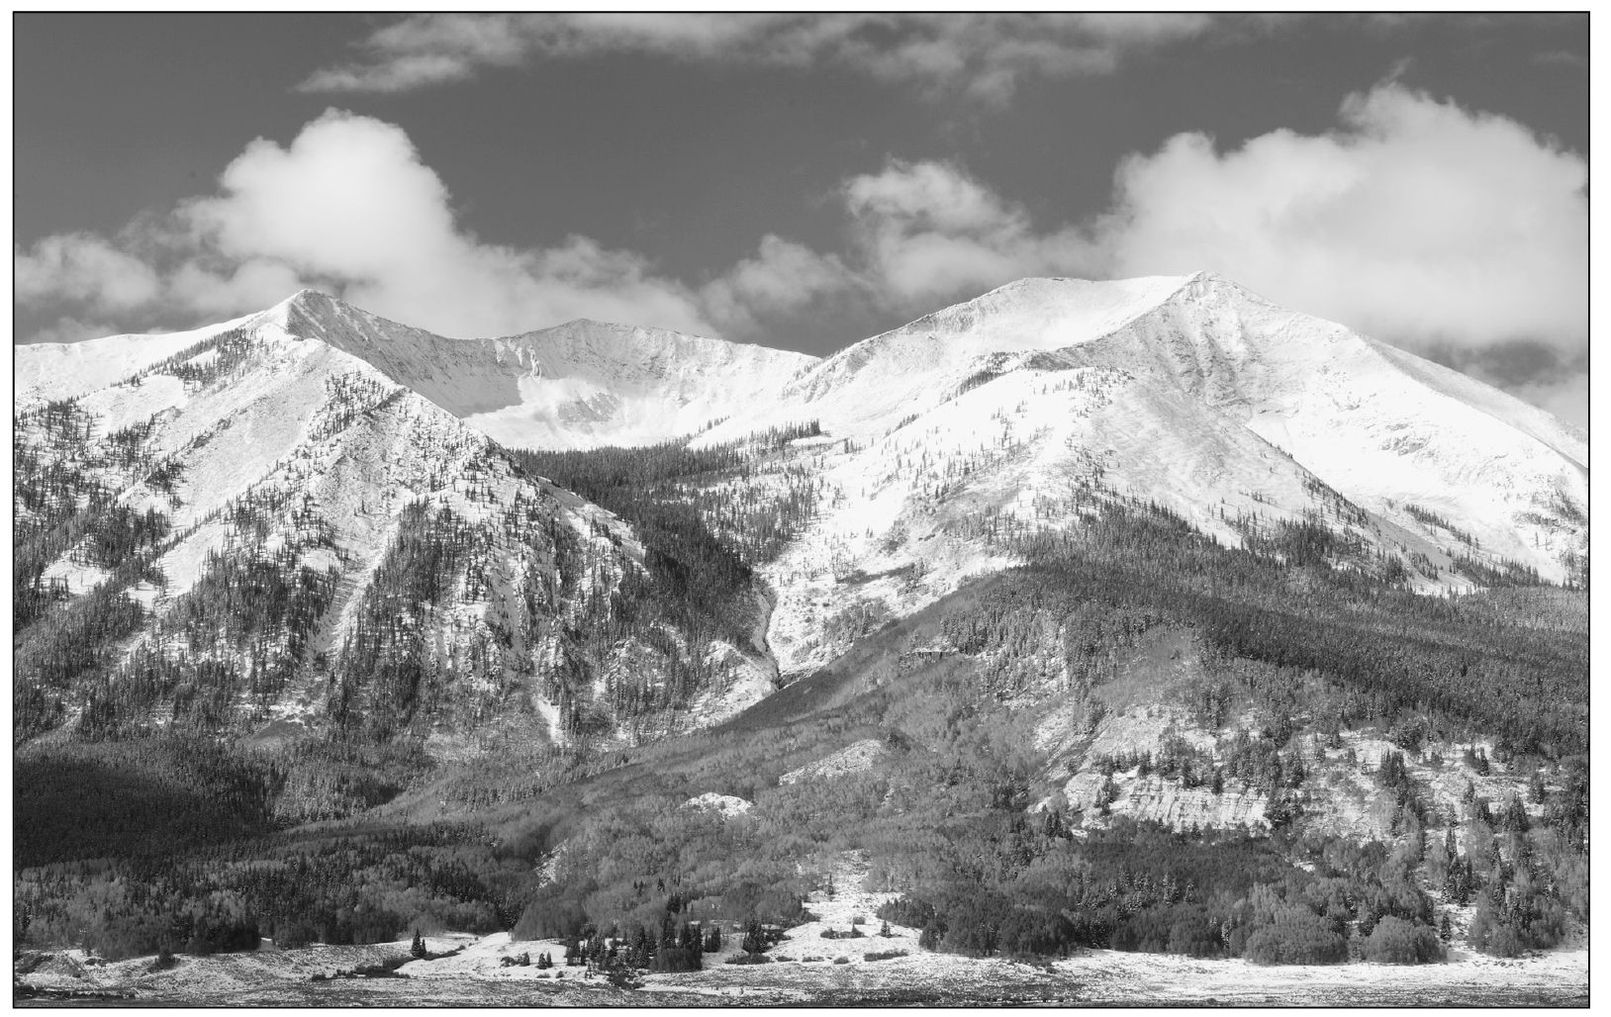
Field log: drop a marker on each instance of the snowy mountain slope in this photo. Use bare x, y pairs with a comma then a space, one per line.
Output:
915, 512
64, 370
869, 386
942, 444
582, 384
317, 543
1381, 427
1569, 441
1018, 411
577, 385
587, 384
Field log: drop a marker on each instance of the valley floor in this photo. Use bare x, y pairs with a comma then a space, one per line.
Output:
807, 969
1099, 977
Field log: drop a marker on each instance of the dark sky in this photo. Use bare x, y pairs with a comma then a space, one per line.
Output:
675, 149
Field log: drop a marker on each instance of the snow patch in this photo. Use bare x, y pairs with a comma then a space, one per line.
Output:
79, 577
853, 758
727, 805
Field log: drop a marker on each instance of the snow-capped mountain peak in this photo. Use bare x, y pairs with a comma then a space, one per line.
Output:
1190, 392
313, 432
580, 384
307, 299
1009, 409
307, 451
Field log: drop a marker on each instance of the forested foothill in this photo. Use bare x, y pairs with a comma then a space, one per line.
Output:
137, 838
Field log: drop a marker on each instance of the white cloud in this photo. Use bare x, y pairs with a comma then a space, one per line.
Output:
1414, 221
253, 284
927, 231
918, 234
782, 279
347, 204
984, 55
83, 267
349, 197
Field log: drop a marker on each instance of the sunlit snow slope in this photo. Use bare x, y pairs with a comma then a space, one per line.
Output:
1012, 413
1202, 366
1008, 413
577, 385
410, 572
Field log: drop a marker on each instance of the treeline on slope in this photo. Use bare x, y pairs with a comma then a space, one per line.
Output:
63, 484
243, 625
53, 653
577, 612
1395, 652
697, 505
1311, 542
387, 670
235, 638
64, 480
1432, 519
229, 351
230, 646
685, 557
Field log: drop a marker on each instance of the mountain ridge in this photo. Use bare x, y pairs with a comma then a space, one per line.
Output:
911, 462
1371, 421
273, 461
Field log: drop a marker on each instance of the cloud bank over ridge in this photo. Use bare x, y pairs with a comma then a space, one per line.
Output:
1412, 219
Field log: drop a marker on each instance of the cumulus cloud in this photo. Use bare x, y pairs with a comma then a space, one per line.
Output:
83, 267
984, 55
1414, 220
347, 205
928, 231
918, 234
349, 197
782, 280
1451, 232
229, 289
